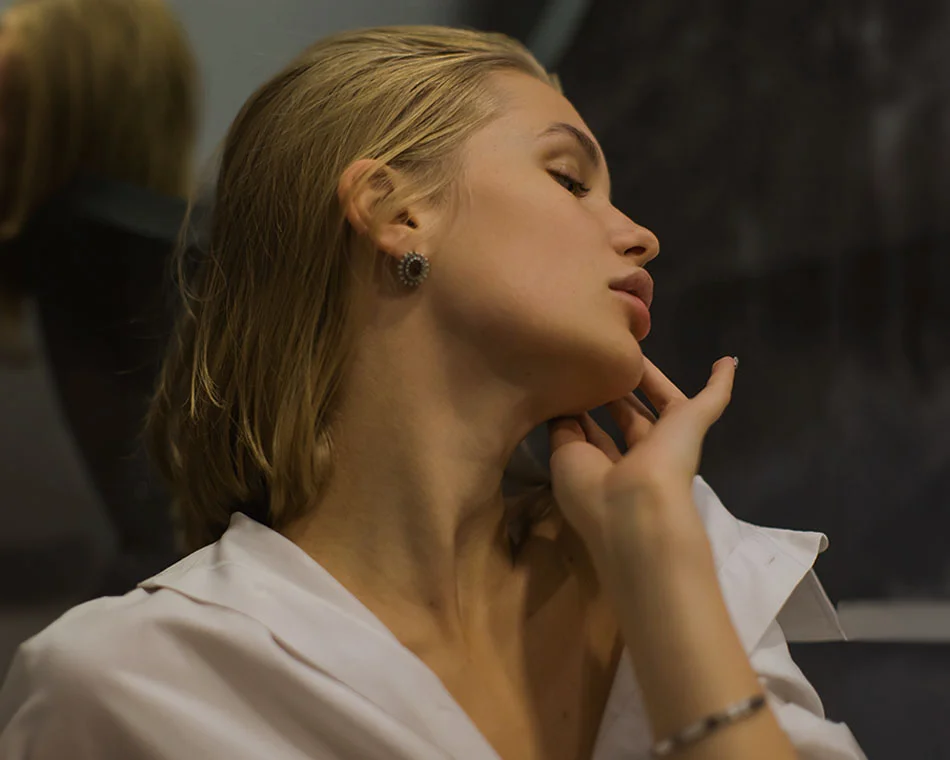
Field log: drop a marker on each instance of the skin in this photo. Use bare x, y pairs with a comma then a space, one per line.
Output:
517, 324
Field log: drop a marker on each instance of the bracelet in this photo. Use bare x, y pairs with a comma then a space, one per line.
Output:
702, 728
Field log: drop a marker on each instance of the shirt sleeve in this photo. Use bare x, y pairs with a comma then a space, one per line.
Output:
796, 704
51, 710
772, 593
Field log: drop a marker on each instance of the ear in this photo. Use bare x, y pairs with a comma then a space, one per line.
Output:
363, 190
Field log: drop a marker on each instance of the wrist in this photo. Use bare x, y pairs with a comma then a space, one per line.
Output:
654, 513
658, 531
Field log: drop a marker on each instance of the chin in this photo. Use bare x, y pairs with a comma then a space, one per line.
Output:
574, 365
623, 371
606, 374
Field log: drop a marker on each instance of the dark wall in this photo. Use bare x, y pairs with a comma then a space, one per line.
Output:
516, 19
794, 160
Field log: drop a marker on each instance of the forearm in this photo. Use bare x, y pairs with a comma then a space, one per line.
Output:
688, 658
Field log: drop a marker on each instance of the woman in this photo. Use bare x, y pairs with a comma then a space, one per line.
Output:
414, 262
98, 117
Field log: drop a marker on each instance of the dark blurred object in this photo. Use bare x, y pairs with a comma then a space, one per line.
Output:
90, 89
95, 260
794, 161
893, 696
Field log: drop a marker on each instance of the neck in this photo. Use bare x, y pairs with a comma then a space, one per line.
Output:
413, 519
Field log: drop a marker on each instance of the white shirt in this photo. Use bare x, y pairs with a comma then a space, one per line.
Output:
249, 649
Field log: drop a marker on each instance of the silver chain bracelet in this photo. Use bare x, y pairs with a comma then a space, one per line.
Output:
699, 730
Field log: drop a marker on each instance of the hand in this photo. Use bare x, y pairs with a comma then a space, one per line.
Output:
596, 486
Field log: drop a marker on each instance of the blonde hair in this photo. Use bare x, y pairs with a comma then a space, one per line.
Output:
245, 406
107, 87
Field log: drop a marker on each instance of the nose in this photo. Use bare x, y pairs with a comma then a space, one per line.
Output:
631, 239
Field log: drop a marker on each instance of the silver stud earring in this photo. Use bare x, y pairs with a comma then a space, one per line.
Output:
413, 269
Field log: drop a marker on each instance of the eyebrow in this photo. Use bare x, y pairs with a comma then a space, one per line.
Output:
583, 139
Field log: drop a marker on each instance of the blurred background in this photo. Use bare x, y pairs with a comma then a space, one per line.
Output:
794, 160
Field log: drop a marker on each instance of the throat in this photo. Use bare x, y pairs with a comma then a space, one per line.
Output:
537, 683
535, 669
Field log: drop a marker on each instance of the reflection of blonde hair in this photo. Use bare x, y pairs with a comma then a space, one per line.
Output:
248, 389
105, 87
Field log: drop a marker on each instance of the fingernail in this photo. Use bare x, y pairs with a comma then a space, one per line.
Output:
735, 360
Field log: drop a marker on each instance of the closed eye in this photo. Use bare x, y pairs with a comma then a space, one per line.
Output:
573, 186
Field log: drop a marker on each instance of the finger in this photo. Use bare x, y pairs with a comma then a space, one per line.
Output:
658, 388
640, 407
576, 466
577, 474
596, 435
712, 400
564, 430
632, 417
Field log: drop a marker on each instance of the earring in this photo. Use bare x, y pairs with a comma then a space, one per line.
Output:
413, 269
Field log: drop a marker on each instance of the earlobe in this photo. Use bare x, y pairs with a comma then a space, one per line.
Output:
362, 190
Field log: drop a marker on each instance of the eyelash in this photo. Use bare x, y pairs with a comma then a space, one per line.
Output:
579, 189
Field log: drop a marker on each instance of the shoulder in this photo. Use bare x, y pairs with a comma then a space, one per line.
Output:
98, 675
143, 631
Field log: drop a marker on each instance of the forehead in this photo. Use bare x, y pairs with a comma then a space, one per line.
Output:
528, 107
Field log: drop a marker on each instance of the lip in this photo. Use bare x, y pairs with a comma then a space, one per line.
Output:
641, 314
638, 283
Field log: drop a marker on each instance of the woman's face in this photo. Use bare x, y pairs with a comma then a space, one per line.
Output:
529, 269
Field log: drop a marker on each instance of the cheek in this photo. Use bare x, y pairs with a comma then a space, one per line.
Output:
525, 284
535, 255
548, 240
